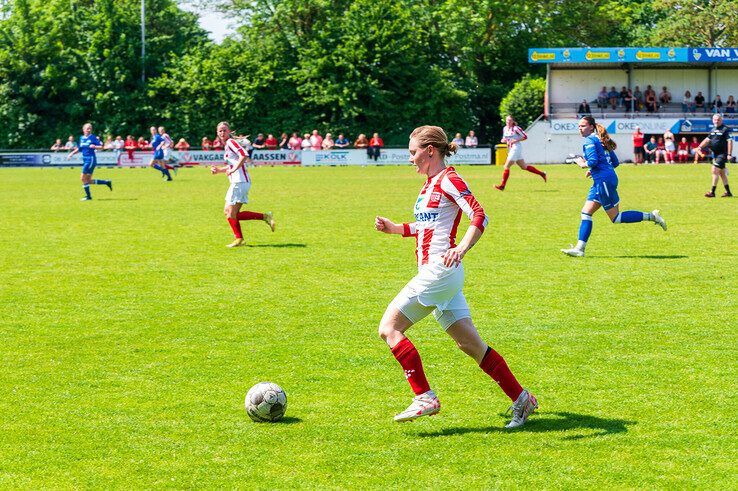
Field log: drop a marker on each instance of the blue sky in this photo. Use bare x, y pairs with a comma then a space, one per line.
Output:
211, 22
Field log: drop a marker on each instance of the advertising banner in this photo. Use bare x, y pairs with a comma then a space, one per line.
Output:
276, 157
625, 125
713, 54
607, 55
334, 157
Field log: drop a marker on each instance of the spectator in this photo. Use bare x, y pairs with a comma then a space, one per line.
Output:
295, 142
259, 142
143, 144
58, 146
638, 146
471, 140
305, 143
108, 145
638, 95
361, 141
621, 96
271, 142
664, 96
649, 90
717, 105
342, 141
206, 144
699, 102
651, 102
613, 97
660, 150
327, 142
284, 142
217, 144
118, 145
629, 101
458, 140
730, 105
182, 145
375, 145
583, 109
650, 149
245, 143
687, 103
130, 146
683, 150
670, 146
697, 151
71, 144
602, 98
316, 141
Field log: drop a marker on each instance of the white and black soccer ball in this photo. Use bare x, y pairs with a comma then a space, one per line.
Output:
266, 402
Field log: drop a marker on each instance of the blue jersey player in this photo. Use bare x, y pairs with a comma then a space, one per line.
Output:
600, 161
87, 145
157, 162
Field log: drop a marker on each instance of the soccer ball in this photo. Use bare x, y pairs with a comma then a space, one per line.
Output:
266, 402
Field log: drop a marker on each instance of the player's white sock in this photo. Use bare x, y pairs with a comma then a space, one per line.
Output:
581, 245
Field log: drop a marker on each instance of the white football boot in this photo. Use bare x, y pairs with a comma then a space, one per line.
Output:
523, 407
658, 219
269, 219
426, 404
573, 251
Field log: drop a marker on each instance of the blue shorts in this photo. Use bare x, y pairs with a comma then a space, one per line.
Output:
88, 165
605, 193
159, 155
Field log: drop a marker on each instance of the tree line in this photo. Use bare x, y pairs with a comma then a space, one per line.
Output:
356, 66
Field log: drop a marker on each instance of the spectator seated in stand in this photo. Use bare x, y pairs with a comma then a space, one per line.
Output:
602, 98
471, 140
664, 96
206, 144
621, 96
660, 150
342, 141
583, 109
649, 150
730, 105
638, 95
687, 103
699, 102
683, 150
629, 101
717, 105
458, 140
58, 146
651, 106
613, 97
271, 142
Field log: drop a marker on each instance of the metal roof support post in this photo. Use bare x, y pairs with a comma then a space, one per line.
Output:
546, 94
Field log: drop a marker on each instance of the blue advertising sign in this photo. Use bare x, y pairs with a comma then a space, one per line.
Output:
705, 125
713, 54
607, 55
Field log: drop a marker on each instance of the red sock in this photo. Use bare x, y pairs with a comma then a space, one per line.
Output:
495, 366
505, 175
532, 169
236, 227
409, 359
250, 215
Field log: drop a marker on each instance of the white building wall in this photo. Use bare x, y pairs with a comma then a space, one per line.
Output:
545, 147
571, 86
677, 81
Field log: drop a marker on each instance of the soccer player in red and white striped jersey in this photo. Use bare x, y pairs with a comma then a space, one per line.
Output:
437, 286
513, 135
238, 192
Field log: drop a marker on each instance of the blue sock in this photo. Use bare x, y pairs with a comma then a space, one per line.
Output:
86, 187
585, 228
631, 217
160, 169
100, 181
165, 171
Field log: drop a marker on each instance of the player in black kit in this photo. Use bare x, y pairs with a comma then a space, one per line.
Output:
722, 148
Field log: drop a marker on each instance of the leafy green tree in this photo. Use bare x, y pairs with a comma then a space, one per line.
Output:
524, 101
712, 23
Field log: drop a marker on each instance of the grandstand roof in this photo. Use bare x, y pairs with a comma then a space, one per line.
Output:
665, 56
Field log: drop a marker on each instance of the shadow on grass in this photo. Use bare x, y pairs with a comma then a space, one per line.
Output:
116, 199
544, 422
275, 245
288, 420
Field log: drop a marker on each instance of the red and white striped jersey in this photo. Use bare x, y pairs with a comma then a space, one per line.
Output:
233, 152
438, 212
513, 135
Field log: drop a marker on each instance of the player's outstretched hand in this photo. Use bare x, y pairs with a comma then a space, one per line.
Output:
453, 257
213, 169
385, 225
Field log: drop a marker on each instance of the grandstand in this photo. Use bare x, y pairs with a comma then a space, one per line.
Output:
577, 74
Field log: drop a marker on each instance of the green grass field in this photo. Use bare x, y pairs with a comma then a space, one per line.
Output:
130, 335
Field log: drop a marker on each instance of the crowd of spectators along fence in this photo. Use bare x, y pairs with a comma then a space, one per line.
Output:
307, 142
636, 101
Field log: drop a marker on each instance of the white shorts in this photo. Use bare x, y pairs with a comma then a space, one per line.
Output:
515, 152
238, 192
435, 289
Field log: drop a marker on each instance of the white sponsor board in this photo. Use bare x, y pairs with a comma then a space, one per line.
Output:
390, 156
623, 125
334, 157
472, 156
276, 157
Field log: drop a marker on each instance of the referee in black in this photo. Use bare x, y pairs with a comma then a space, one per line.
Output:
722, 148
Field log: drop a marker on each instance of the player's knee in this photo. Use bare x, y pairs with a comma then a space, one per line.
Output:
615, 218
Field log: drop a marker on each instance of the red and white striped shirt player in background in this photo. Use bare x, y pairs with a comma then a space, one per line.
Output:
437, 286
238, 192
512, 134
